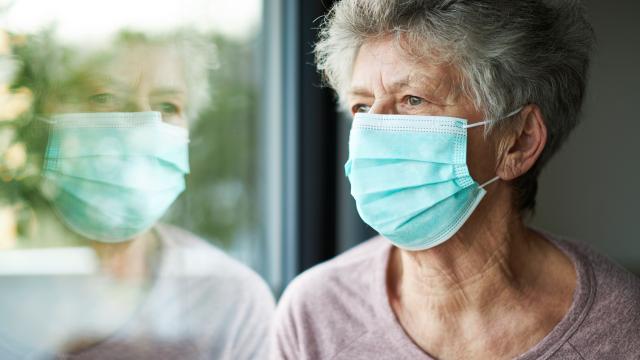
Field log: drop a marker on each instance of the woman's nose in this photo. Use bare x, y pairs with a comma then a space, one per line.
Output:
137, 105
383, 107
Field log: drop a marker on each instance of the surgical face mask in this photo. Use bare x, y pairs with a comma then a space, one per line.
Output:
409, 177
111, 176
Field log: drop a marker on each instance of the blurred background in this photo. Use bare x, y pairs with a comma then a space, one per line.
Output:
268, 146
590, 192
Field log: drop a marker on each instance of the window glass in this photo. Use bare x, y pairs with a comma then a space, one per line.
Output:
130, 181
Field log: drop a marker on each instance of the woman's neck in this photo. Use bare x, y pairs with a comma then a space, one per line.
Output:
468, 271
495, 281
132, 260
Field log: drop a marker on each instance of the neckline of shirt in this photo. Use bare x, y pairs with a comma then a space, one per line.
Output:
583, 296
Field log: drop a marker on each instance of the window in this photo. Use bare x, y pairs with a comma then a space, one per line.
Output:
135, 192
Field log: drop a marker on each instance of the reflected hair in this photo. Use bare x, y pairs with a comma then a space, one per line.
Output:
508, 53
199, 56
51, 67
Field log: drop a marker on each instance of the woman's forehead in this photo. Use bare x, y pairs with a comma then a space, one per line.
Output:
156, 68
390, 65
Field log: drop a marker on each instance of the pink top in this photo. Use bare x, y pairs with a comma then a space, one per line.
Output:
340, 310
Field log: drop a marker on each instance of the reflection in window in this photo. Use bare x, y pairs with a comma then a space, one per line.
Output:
109, 132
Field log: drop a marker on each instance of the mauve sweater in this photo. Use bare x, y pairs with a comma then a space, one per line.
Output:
340, 310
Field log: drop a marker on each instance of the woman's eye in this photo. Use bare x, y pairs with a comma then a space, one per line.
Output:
102, 98
169, 108
360, 108
415, 101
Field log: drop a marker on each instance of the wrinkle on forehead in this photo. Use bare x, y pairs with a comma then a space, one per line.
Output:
400, 69
154, 67
441, 83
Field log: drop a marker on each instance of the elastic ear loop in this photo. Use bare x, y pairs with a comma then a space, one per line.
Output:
490, 182
490, 121
484, 123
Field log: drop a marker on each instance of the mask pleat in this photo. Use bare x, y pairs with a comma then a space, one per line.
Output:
71, 143
376, 176
401, 145
89, 220
406, 202
430, 223
111, 176
135, 173
107, 199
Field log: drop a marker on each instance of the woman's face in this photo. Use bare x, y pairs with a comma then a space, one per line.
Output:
122, 184
386, 80
132, 78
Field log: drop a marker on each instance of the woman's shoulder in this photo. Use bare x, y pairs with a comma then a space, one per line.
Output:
610, 277
222, 302
352, 269
188, 256
310, 316
611, 317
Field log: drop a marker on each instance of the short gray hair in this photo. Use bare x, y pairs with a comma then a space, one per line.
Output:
509, 53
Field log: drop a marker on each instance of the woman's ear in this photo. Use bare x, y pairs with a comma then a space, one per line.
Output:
523, 147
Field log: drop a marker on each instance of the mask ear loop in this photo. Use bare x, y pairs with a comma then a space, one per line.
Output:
482, 123
490, 182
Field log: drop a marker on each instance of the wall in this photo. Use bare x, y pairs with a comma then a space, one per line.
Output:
590, 191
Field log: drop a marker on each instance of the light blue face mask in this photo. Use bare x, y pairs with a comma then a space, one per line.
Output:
409, 176
111, 176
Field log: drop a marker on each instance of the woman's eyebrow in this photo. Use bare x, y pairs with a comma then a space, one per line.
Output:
360, 91
393, 85
425, 82
440, 85
109, 80
167, 91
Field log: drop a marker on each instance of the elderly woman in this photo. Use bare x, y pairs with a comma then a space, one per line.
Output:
457, 107
115, 160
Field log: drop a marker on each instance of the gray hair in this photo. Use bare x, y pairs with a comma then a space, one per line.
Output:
199, 56
509, 53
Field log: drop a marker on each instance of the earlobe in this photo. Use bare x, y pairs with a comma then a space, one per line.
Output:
525, 145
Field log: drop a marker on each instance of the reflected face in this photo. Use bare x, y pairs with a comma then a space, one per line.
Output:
102, 188
135, 78
386, 80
